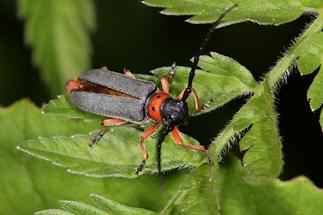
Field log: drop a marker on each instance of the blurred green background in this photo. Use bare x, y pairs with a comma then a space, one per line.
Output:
130, 34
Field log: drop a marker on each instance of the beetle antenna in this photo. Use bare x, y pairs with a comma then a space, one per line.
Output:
200, 49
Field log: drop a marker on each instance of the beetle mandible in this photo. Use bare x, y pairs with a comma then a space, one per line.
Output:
124, 98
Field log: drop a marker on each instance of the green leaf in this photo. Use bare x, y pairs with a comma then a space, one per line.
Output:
24, 177
53, 212
298, 196
197, 195
199, 190
208, 191
310, 52
263, 156
80, 208
58, 32
117, 155
221, 80
314, 94
103, 207
265, 12
116, 208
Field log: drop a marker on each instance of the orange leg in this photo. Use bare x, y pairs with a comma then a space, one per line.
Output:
166, 80
196, 99
105, 122
147, 133
73, 84
104, 68
165, 84
110, 122
180, 96
178, 139
127, 72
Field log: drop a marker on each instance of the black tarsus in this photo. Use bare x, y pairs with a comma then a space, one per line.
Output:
199, 50
141, 167
98, 137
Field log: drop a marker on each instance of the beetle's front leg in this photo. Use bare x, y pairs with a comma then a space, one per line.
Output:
105, 122
196, 99
179, 141
147, 133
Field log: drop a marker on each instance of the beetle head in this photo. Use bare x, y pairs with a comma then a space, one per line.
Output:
174, 112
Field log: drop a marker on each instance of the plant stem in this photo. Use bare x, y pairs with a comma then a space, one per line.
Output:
284, 63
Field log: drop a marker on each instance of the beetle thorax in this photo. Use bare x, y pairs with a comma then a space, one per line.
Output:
154, 105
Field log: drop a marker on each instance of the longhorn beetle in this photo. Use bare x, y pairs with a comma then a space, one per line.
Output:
124, 98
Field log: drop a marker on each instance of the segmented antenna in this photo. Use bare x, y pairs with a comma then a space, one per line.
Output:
200, 49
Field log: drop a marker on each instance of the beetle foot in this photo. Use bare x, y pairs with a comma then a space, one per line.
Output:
97, 138
141, 167
208, 104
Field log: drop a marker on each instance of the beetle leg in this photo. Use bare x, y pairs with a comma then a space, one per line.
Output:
172, 70
207, 104
196, 99
166, 80
98, 137
110, 122
73, 84
105, 122
128, 73
147, 133
165, 84
104, 68
179, 141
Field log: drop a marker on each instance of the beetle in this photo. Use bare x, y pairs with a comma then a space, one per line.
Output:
124, 98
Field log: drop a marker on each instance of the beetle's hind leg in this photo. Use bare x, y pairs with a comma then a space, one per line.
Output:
105, 122
147, 133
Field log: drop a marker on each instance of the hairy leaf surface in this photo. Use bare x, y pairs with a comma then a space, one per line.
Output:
263, 156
